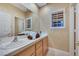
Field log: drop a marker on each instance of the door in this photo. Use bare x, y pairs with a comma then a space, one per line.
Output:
77, 30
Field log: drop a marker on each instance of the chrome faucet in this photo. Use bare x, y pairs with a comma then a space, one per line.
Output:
15, 39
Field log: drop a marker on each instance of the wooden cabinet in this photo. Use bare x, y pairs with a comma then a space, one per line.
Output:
39, 48
30, 51
39, 52
45, 45
38, 44
33, 54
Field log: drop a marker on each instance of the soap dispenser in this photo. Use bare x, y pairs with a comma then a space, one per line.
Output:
37, 35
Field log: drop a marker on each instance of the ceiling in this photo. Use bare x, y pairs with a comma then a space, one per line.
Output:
20, 6
25, 6
41, 4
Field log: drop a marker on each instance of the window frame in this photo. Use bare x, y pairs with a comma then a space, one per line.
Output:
63, 10
25, 23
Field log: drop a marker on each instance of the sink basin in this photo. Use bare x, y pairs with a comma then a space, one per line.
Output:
8, 45
21, 37
17, 44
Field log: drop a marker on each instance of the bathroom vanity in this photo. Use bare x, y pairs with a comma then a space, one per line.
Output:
25, 47
38, 48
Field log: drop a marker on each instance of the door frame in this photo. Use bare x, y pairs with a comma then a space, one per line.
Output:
77, 29
71, 30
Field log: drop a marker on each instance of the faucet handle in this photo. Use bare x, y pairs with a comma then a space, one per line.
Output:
15, 38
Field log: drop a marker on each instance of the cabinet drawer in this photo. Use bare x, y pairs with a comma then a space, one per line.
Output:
39, 52
38, 44
27, 52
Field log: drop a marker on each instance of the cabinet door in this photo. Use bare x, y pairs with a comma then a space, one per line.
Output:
33, 54
38, 45
27, 52
39, 52
39, 48
45, 45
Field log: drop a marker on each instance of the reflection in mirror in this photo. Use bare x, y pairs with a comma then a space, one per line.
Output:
19, 25
5, 24
28, 23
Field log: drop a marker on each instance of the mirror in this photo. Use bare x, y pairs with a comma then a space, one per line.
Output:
5, 24
28, 23
19, 25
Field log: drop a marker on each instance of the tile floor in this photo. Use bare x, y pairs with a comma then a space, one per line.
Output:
56, 52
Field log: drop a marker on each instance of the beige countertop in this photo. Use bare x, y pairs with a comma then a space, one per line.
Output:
15, 47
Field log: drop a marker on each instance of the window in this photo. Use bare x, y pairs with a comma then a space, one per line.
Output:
28, 23
58, 19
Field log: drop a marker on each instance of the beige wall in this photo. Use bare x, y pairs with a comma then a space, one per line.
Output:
35, 17
13, 11
58, 38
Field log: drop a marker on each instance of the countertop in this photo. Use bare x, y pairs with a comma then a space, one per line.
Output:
7, 47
